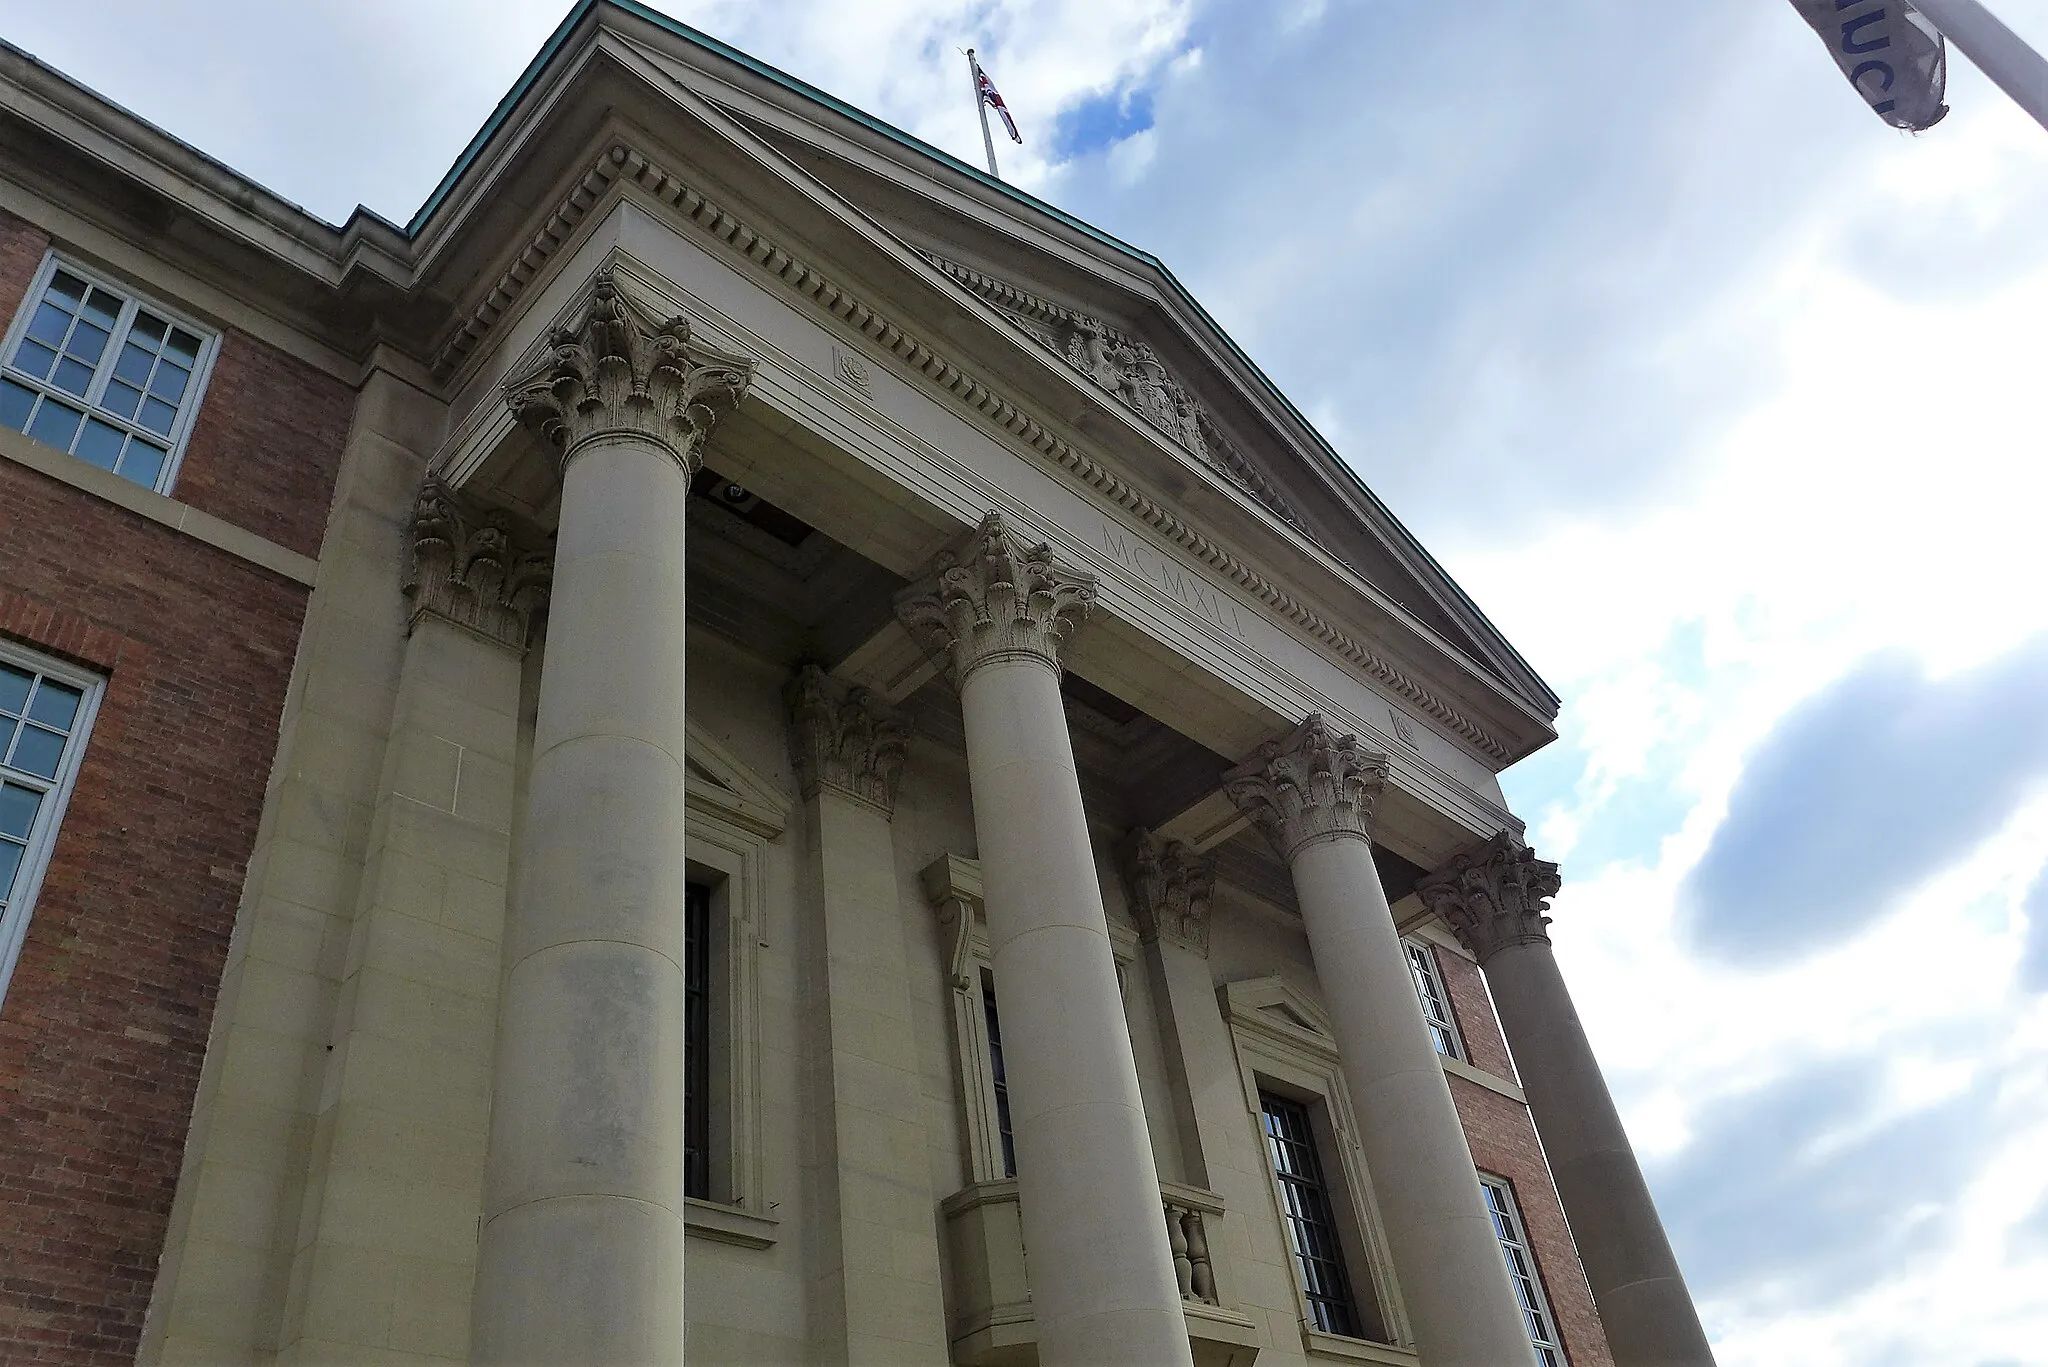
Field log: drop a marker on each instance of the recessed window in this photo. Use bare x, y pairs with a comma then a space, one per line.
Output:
697, 1042
110, 378
997, 1074
1514, 1246
45, 712
1436, 1003
1311, 1220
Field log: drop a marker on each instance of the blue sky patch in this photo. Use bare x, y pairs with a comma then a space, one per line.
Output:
1100, 122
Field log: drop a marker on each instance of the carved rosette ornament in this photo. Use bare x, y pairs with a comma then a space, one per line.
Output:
1170, 890
1493, 895
470, 566
621, 373
845, 737
995, 600
1310, 786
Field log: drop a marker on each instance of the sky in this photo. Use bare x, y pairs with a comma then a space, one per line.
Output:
1722, 398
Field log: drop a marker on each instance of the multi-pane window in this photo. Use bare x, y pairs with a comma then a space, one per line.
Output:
995, 1065
1514, 1246
96, 372
43, 721
1311, 1220
697, 1042
1436, 1003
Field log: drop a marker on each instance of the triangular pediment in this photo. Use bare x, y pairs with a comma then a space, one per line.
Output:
1271, 1005
717, 780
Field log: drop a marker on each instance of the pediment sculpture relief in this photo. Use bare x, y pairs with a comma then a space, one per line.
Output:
1126, 367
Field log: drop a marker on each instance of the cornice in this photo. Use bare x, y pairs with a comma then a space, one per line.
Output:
622, 165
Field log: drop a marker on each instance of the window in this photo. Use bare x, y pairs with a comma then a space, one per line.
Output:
1514, 1246
1436, 1003
1311, 1222
45, 713
98, 373
697, 1042
997, 1076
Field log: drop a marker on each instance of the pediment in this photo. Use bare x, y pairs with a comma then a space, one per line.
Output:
716, 780
1271, 1005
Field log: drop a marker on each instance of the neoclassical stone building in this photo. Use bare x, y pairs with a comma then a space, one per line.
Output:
740, 744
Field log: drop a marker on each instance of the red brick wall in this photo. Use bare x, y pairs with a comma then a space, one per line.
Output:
104, 1025
258, 399
103, 1028
1484, 1046
1504, 1144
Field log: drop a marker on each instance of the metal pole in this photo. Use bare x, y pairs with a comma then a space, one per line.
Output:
1993, 49
988, 144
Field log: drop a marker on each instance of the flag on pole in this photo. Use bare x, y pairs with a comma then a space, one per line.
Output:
1892, 56
986, 89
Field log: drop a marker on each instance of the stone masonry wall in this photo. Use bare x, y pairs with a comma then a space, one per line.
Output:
104, 1025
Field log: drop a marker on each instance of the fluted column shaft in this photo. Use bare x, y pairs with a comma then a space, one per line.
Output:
1312, 796
1102, 1280
581, 1249
1494, 897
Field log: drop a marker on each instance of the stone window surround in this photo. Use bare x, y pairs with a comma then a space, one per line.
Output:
28, 879
952, 884
1284, 1046
180, 434
732, 819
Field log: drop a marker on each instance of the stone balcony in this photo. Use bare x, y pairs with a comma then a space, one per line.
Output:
992, 1322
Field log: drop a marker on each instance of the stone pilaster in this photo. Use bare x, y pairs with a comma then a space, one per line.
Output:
1102, 1277
1493, 895
473, 567
996, 599
619, 373
580, 1256
1308, 786
1170, 888
846, 737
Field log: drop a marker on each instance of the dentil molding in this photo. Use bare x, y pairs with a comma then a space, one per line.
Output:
1494, 895
622, 164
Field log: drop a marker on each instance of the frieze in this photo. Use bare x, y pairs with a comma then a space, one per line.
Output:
620, 163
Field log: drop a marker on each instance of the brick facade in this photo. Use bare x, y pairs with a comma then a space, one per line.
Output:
105, 1023
1504, 1144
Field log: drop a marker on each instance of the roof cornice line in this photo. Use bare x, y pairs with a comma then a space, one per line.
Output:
634, 167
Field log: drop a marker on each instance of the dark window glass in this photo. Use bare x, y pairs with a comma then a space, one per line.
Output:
697, 1042
1311, 1224
995, 1067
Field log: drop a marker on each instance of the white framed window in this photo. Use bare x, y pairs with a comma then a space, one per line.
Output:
1514, 1246
95, 370
1436, 1002
46, 712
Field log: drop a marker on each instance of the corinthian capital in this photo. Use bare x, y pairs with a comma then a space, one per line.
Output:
995, 600
1170, 889
621, 373
470, 567
1494, 895
844, 737
1310, 786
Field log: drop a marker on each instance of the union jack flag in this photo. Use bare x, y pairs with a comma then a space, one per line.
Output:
993, 100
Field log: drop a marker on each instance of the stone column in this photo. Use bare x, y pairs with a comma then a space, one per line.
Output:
1102, 1279
1312, 795
581, 1251
386, 1249
1494, 897
875, 1294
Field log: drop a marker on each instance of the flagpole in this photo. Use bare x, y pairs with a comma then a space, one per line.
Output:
988, 144
1992, 48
